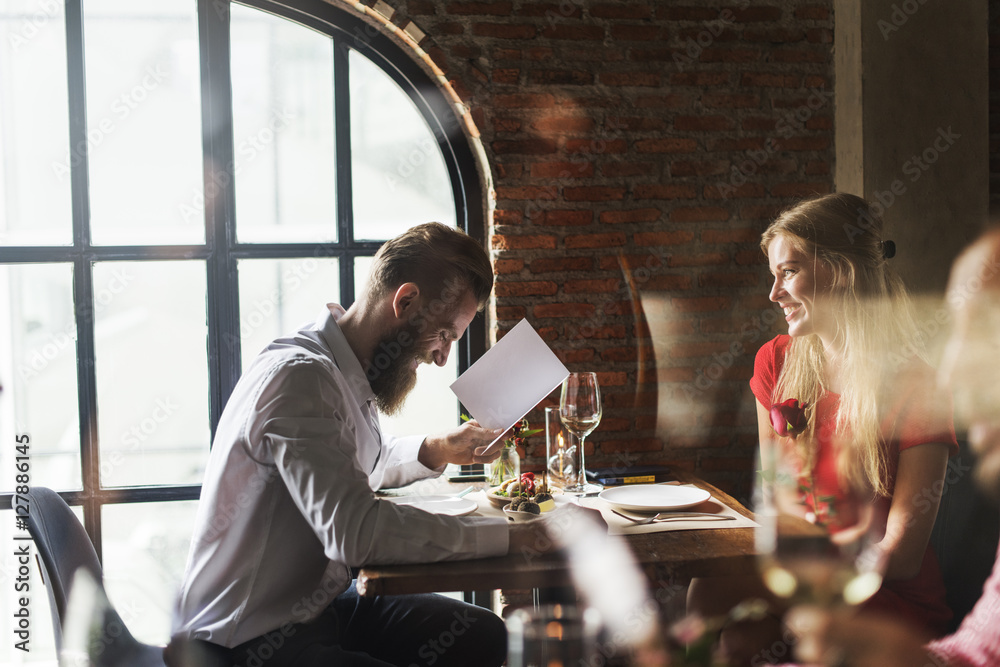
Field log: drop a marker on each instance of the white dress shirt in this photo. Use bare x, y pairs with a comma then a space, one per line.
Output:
287, 506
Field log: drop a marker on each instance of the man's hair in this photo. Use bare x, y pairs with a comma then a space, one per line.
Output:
438, 258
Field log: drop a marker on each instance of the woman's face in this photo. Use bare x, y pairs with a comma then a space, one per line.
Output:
801, 285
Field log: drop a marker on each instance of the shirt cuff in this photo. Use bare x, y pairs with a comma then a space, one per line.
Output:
492, 535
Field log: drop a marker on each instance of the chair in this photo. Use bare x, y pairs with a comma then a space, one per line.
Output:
965, 535
64, 547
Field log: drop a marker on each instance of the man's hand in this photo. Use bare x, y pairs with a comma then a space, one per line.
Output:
859, 640
462, 446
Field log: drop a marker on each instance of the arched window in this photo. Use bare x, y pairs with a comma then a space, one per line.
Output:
180, 182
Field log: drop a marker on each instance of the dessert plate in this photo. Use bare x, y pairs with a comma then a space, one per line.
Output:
653, 497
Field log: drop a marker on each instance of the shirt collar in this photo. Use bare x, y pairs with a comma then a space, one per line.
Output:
343, 355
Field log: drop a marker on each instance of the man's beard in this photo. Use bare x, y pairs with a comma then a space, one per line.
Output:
392, 384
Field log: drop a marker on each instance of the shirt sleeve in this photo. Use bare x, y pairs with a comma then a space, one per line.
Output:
765, 373
399, 464
306, 430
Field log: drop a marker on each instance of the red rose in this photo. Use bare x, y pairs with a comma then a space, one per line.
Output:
788, 418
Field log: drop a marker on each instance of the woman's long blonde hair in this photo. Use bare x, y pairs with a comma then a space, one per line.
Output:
874, 324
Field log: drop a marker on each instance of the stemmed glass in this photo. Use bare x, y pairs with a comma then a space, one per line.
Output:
580, 412
802, 561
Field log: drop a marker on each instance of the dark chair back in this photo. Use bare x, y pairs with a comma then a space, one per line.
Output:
965, 535
64, 547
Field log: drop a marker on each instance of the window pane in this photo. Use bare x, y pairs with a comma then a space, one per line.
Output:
42, 638
145, 549
278, 296
152, 372
282, 130
144, 122
34, 126
398, 172
432, 405
38, 373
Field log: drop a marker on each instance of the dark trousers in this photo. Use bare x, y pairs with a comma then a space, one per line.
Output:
392, 631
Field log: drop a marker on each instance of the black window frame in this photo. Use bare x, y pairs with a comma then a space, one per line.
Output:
221, 251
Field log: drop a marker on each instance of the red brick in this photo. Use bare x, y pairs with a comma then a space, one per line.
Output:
507, 124
576, 33
521, 242
529, 288
774, 35
768, 80
633, 215
505, 266
595, 146
701, 259
576, 356
479, 8
816, 167
586, 331
728, 280
632, 11
635, 124
699, 214
510, 312
800, 189
525, 146
662, 238
749, 257
579, 310
593, 193
666, 145
764, 212
528, 192
812, 13
538, 53
595, 286
508, 54
704, 123
699, 14
561, 264
820, 123
700, 79
672, 101
552, 11
608, 240
564, 218
613, 379
729, 55
504, 217
745, 235
576, 169
560, 77
699, 168
745, 191
629, 169
665, 192
504, 30
819, 36
620, 354
730, 101
564, 124
816, 81
647, 79
799, 56
524, 101
635, 33
756, 14
636, 262
616, 424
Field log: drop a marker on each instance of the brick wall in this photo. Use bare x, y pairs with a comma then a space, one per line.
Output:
994, 46
664, 133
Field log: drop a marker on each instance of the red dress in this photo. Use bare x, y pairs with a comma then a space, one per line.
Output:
919, 414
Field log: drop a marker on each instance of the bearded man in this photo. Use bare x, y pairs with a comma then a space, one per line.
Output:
288, 506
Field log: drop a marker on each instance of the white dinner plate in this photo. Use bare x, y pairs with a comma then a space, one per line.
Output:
449, 505
654, 497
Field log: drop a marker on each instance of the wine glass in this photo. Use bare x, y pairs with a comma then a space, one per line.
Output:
580, 412
800, 559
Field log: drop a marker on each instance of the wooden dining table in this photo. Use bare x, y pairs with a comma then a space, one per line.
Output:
671, 556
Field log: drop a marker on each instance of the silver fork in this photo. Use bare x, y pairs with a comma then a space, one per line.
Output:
666, 516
